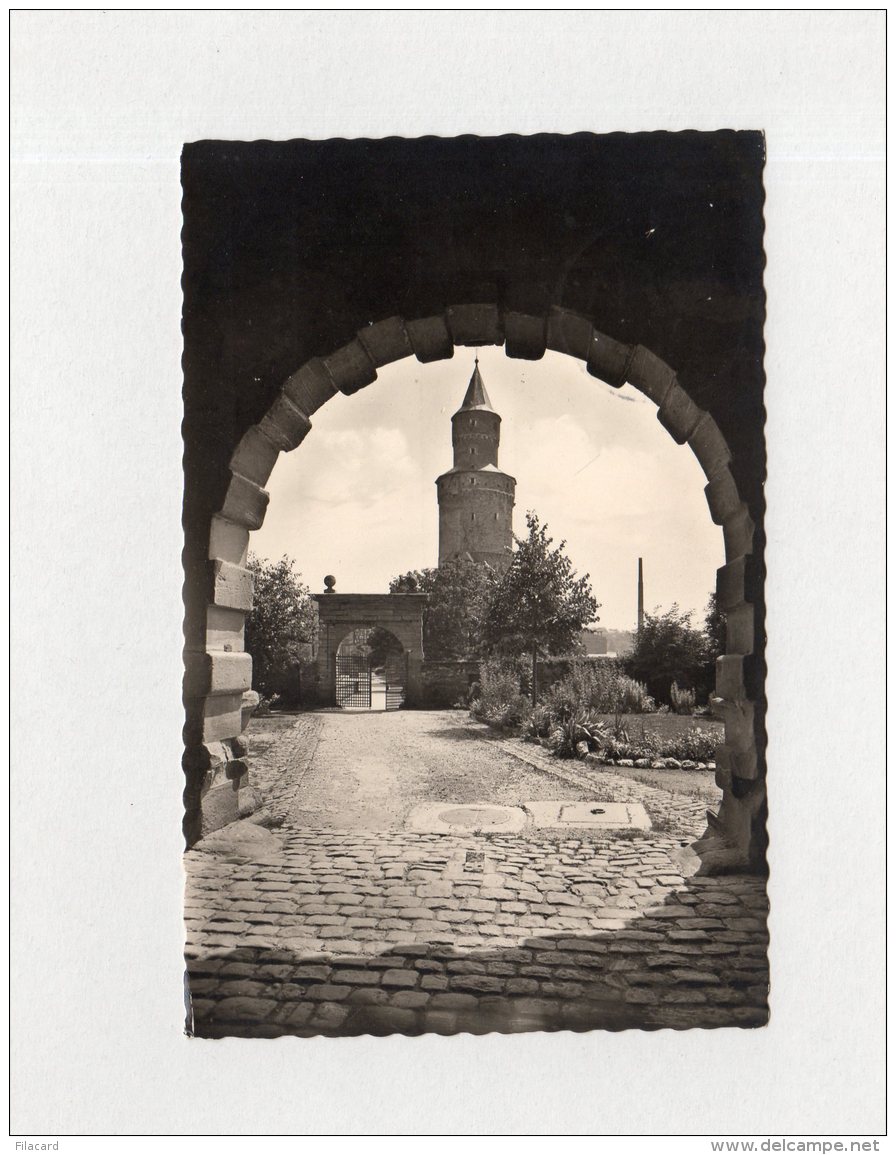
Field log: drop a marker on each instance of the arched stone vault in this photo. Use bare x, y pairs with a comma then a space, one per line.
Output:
218, 675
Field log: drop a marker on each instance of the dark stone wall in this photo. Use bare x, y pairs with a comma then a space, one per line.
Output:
291, 248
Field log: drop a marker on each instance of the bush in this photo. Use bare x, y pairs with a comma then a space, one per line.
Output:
600, 686
571, 693
694, 745
500, 700
647, 746
539, 724
683, 701
632, 697
668, 648
580, 729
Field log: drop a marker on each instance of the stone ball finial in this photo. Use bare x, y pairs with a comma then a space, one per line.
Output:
329, 583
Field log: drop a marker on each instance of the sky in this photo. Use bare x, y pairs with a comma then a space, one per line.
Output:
358, 499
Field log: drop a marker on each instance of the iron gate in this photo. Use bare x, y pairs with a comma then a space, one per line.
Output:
395, 673
361, 685
353, 681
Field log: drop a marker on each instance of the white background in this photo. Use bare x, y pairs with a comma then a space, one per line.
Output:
101, 105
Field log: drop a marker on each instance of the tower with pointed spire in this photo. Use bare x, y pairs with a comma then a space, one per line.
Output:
475, 497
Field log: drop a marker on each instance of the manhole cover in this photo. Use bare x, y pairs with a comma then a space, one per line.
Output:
599, 815
448, 818
469, 816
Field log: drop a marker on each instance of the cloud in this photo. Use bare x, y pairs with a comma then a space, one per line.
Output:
358, 499
350, 467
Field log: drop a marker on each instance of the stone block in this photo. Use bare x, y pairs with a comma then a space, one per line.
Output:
399, 978
730, 683
224, 628
386, 341
248, 705
232, 586
678, 414
737, 530
741, 763
246, 503
524, 336
220, 806
221, 717
228, 541
734, 823
206, 759
475, 324
722, 497
244, 1010
430, 339
650, 374
411, 999
736, 582
739, 722
251, 800
350, 368
741, 673
480, 984
255, 456
454, 1000
709, 446
217, 673
608, 360
311, 387
389, 1020
569, 333
284, 425
739, 630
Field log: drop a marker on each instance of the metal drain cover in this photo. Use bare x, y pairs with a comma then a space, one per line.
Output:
603, 815
451, 818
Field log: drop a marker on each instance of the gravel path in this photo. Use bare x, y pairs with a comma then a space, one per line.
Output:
368, 771
345, 771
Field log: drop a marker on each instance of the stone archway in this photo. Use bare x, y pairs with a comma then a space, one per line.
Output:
217, 678
340, 615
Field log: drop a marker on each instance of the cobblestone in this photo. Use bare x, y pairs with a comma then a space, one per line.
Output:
348, 931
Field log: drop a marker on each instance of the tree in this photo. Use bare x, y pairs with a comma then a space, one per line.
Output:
279, 627
669, 649
539, 607
381, 645
715, 628
453, 617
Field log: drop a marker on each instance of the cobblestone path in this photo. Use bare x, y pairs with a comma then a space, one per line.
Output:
344, 930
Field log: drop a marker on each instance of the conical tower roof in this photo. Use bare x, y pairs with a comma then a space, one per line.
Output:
476, 396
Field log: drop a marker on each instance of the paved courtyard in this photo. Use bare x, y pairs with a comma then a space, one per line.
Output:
343, 921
